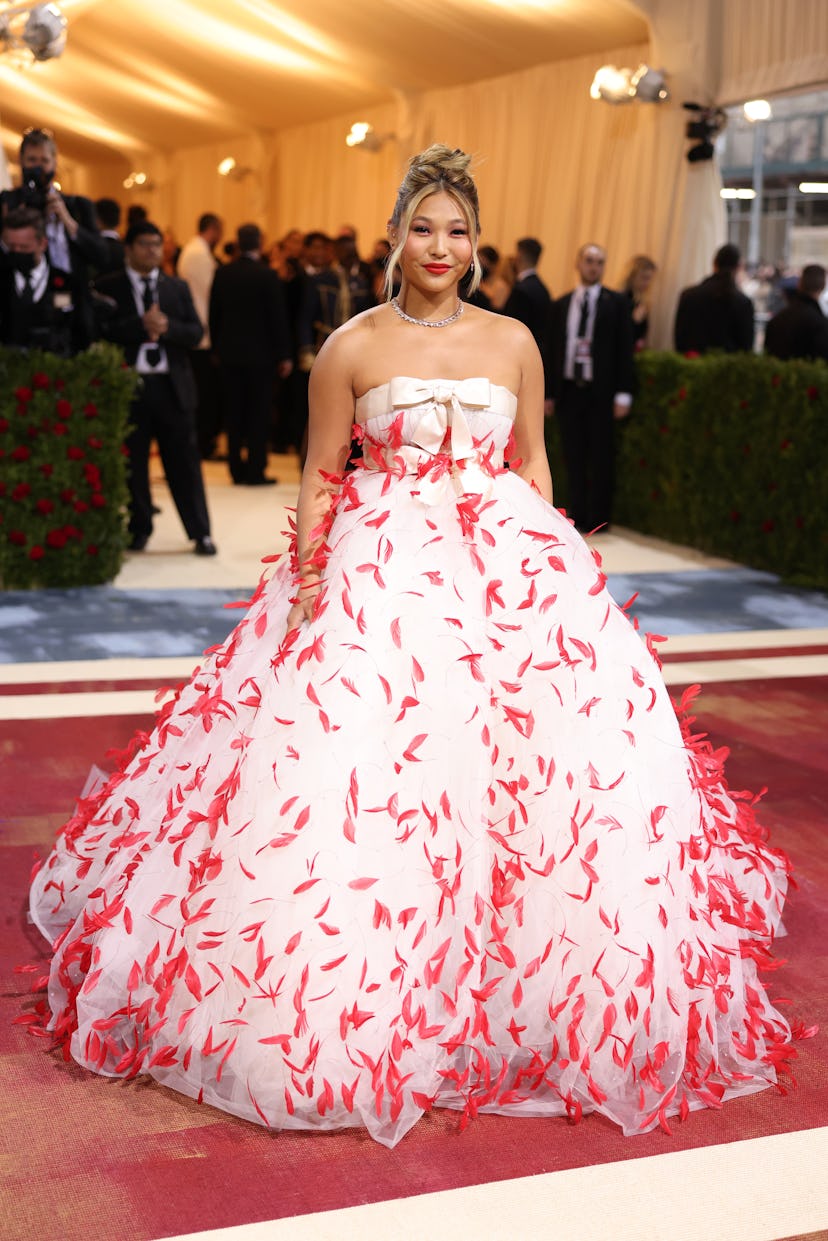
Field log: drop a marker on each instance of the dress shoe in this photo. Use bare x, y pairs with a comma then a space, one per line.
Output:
262, 482
205, 546
137, 543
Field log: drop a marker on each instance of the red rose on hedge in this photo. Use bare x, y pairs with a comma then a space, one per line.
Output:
80, 506
23, 394
45, 506
17, 537
56, 538
97, 500
94, 442
90, 410
63, 409
91, 550
4, 425
67, 495
21, 453
37, 552
59, 385
813, 393
60, 428
21, 491
74, 453
39, 380
47, 469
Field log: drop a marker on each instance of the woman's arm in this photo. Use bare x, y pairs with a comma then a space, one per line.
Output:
331, 402
531, 461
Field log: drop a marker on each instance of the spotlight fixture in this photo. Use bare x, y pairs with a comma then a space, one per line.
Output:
615, 85
737, 193
365, 137
612, 85
229, 168
137, 180
706, 124
757, 110
649, 85
43, 33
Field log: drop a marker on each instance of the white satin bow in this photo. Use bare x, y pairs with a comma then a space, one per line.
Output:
443, 402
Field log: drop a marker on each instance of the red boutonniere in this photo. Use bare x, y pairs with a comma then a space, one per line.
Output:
58, 282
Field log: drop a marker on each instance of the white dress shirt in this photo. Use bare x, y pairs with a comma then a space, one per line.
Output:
143, 364
38, 280
573, 319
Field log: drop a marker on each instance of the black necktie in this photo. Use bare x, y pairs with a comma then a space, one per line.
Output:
152, 354
27, 292
583, 324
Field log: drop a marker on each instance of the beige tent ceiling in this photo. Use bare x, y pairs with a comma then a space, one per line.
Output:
141, 75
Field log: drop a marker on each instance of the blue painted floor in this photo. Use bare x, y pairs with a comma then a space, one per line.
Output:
102, 622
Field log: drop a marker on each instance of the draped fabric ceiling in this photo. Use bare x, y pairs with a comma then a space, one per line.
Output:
174, 86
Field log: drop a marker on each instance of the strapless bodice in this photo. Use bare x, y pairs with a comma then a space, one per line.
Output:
450, 433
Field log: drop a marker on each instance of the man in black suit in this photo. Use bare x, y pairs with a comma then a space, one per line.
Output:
108, 216
75, 244
716, 314
529, 301
800, 330
592, 382
38, 302
250, 336
152, 316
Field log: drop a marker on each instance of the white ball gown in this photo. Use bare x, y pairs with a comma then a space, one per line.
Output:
445, 845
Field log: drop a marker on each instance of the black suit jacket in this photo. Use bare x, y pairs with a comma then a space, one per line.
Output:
613, 369
248, 321
714, 315
800, 330
121, 323
529, 301
54, 323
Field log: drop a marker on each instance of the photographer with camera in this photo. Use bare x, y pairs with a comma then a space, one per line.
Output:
74, 242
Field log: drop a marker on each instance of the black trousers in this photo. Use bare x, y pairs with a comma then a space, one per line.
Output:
248, 395
156, 414
588, 435
208, 413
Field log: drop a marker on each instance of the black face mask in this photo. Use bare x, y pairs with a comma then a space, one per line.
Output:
24, 263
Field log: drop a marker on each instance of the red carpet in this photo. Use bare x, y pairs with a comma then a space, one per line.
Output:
90, 1157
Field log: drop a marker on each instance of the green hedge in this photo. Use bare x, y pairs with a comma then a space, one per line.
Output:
62, 467
729, 454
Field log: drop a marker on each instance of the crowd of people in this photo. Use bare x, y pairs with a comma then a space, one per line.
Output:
225, 336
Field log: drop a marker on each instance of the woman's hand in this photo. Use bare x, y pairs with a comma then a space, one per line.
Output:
303, 607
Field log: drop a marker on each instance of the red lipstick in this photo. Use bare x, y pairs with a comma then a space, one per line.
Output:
437, 268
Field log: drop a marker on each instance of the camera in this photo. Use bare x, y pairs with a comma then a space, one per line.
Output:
36, 185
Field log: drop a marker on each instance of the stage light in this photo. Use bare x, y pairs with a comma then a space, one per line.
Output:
813, 187
613, 85
740, 193
649, 85
757, 110
43, 33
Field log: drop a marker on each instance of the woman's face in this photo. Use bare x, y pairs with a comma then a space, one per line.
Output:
438, 248
642, 280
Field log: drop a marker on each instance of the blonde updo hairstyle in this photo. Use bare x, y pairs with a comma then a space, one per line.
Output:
437, 169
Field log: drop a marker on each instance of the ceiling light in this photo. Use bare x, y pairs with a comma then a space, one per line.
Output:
757, 110
740, 193
366, 138
138, 180
813, 187
612, 85
649, 85
43, 33
226, 166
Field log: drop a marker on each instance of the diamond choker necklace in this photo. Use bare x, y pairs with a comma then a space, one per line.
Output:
427, 322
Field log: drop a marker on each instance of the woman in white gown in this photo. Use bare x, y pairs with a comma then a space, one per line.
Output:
425, 830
